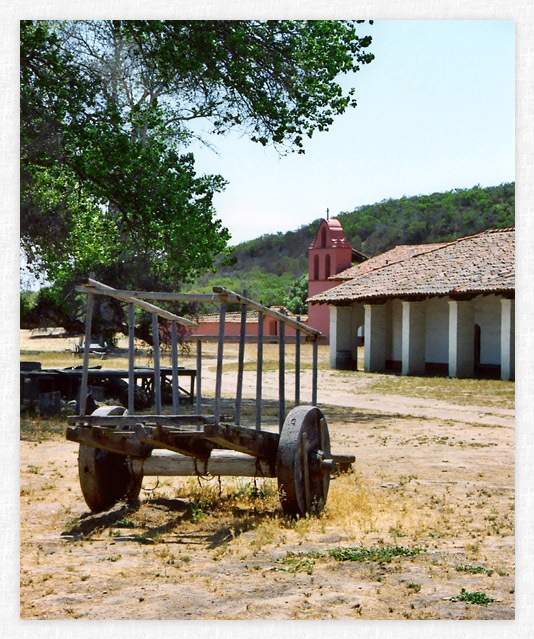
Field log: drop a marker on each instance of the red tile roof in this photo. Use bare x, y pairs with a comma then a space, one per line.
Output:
397, 254
483, 263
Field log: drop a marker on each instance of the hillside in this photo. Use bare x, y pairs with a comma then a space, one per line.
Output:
267, 266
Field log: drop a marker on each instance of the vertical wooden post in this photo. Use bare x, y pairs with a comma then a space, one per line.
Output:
297, 365
259, 370
157, 373
175, 385
314, 373
282, 375
87, 345
241, 362
199, 377
220, 352
131, 359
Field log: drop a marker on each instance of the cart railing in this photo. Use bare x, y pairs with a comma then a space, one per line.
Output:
223, 296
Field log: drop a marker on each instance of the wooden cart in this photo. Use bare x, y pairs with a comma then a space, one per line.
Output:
118, 447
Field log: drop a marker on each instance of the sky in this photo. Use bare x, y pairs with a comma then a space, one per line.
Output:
435, 112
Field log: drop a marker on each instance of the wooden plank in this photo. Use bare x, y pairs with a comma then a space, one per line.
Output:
259, 371
220, 353
112, 441
116, 421
244, 440
241, 363
192, 444
314, 374
86, 354
93, 287
199, 377
175, 386
161, 295
250, 339
235, 297
157, 371
220, 463
131, 359
297, 367
281, 376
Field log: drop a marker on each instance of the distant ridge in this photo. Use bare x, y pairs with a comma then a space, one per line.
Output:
268, 265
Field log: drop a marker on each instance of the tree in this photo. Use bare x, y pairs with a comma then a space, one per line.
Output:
94, 193
297, 295
106, 107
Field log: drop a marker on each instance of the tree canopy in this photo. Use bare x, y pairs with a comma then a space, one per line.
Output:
105, 109
107, 182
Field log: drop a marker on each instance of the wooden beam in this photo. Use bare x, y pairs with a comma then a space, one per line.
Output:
249, 339
315, 365
174, 354
235, 297
116, 421
262, 444
92, 286
240, 363
281, 375
112, 441
297, 367
86, 354
157, 374
220, 463
190, 444
163, 296
199, 377
259, 371
220, 353
131, 359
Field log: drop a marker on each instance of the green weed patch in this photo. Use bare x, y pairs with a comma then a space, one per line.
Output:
478, 598
381, 555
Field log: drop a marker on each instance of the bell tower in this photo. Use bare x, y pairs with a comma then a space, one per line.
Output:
329, 254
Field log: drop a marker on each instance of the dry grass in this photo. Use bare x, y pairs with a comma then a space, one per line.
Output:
434, 496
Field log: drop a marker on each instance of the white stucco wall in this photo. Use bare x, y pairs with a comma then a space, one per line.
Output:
437, 330
488, 317
486, 313
396, 332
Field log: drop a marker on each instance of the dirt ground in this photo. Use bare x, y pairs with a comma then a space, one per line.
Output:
426, 519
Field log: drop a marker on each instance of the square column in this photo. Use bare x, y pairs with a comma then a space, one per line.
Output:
413, 338
375, 337
341, 338
461, 339
507, 339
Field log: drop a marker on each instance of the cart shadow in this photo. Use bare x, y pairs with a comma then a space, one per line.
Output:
176, 512
89, 523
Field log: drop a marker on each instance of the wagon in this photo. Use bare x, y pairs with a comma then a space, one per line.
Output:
119, 447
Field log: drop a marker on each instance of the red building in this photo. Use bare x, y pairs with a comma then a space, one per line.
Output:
209, 324
330, 253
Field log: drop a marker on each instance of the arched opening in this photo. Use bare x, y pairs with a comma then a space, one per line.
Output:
316, 267
323, 237
327, 267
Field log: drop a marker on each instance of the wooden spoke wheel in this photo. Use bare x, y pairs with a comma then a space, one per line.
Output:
304, 462
106, 478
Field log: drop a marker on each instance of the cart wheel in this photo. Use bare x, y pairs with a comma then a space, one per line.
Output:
106, 477
303, 462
